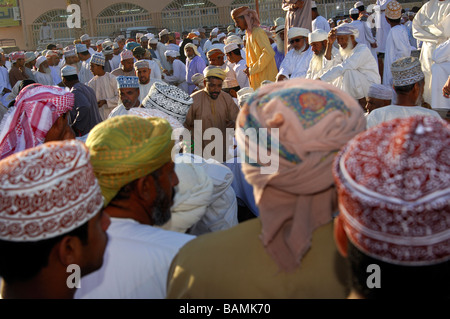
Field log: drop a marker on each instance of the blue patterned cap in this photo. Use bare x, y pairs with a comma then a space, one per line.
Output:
80, 48
98, 58
127, 81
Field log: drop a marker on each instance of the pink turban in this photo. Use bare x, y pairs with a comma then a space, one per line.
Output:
313, 120
250, 16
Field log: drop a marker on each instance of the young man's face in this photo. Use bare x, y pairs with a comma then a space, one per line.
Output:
216, 60
96, 69
240, 23
213, 87
144, 75
128, 64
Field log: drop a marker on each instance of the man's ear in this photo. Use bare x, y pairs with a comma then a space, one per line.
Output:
340, 237
146, 188
69, 250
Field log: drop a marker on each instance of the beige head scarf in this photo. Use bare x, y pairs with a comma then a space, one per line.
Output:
315, 120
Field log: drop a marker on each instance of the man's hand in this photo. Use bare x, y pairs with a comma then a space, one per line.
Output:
247, 71
332, 36
281, 77
374, 45
446, 88
101, 103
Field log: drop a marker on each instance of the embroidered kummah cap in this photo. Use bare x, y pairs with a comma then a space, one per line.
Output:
347, 29
163, 32
168, 99
68, 70
127, 82
380, 91
353, 11
47, 191
394, 191
29, 56
233, 39
153, 41
126, 54
215, 31
69, 53
393, 10
99, 42
297, 32
141, 64
317, 35
79, 48
406, 71
230, 47
98, 58
279, 24
172, 53
85, 37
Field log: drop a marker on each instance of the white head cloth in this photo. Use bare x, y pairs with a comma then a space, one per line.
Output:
380, 91
297, 32
317, 35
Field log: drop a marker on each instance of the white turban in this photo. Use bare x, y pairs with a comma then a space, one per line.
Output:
317, 35
379, 91
171, 53
39, 61
297, 32
347, 29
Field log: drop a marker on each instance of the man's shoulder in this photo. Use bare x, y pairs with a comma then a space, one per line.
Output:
198, 95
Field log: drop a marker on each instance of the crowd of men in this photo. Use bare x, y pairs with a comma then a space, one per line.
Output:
108, 161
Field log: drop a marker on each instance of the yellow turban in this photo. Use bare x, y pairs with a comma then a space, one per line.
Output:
214, 71
125, 148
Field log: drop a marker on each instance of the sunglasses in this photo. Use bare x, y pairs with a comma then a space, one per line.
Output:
295, 40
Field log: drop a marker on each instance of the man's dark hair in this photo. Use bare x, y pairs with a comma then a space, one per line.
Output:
360, 8
237, 52
398, 281
85, 53
51, 46
407, 88
71, 78
25, 83
208, 79
21, 261
355, 16
394, 21
315, 10
227, 90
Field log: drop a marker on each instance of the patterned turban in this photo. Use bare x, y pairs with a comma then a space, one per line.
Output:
125, 148
126, 54
214, 53
16, 56
307, 123
394, 191
37, 109
47, 191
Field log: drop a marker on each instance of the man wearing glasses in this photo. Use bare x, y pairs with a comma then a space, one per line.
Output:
296, 62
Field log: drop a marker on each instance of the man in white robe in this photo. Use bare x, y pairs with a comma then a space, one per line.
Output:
104, 85
84, 74
440, 72
53, 63
365, 34
178, 75
5, 85
161, 48
319, 64
318, 22
86, 39
358, 69
234, 56
43, 75
397, 42
128, 87
143, 72
45, 32
296, 61
431, 25
408, 81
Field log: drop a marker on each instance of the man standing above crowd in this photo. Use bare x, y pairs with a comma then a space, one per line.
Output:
215, 109
85, 112
194, 64
365, 34
104, 85
408, 82
260, 55
318, 22
357, 70
296, 62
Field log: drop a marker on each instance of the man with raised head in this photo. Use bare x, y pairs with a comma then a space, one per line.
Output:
296, 61
319, 64
59, 226
214, 109
132, 160
393, 184
409, 83
356, 68
260, 55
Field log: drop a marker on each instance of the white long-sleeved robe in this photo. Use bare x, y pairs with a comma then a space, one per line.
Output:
356, 72
85, 74
296, 64
320, 23
241, 77
314, 72
397, 46
440, 71
44, 78
431, 25
178, 78
4, 83
383, 27
105, 88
